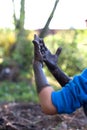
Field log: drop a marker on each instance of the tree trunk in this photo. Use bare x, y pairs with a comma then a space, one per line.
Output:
46, 27
19, 23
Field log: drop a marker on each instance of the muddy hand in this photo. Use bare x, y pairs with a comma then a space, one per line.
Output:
49, 58
37, 52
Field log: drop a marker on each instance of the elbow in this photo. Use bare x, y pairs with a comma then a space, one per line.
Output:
48, 111
46, 102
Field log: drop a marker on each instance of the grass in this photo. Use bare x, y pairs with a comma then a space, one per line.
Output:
20, 91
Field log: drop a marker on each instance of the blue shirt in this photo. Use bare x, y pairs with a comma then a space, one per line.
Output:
72, 95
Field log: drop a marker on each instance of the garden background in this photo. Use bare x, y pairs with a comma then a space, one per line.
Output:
17, 83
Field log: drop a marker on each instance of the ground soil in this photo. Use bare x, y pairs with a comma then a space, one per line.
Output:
29, 116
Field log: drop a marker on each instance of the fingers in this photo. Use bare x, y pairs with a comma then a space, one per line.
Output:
58, 51
36, 39
39, 41
36, 42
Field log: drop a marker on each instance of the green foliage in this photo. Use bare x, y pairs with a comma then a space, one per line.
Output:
23, 53
20, 91
7, 39
72, 59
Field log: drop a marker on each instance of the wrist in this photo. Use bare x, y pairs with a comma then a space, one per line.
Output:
37, 64
51, 67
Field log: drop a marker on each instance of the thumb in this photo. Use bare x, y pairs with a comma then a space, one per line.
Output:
36, 39
58, 51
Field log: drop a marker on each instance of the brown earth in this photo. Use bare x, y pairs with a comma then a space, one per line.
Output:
28, 116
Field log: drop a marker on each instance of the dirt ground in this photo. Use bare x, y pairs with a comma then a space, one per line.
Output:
28, 116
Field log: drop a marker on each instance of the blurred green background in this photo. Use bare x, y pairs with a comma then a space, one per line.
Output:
16, 56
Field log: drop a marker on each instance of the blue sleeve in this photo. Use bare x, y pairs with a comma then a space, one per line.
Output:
72, 95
